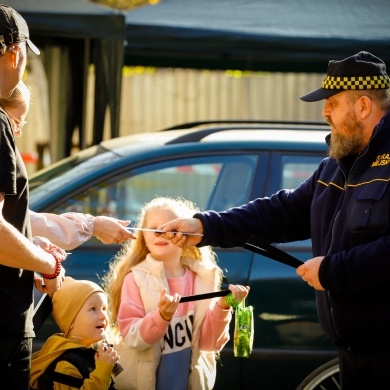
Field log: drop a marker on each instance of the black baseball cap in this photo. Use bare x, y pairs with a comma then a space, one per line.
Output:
13, 28
359, 72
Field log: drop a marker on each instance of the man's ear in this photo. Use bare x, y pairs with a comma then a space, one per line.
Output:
365, 106
14, 52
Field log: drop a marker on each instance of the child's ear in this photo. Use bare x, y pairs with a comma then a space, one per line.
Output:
71, 326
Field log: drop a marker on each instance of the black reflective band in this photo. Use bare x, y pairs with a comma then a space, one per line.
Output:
189, 298
257, 245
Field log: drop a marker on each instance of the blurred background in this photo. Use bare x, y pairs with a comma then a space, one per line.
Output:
112, 68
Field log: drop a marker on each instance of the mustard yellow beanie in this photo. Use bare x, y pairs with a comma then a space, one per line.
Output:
69, 299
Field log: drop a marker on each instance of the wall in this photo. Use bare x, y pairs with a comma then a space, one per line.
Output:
153, 99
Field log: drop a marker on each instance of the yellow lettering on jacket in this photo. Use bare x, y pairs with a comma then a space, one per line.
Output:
381, 160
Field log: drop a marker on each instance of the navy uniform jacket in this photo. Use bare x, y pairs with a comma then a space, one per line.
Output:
344, 208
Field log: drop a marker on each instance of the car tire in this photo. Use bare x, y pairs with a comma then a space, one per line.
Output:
325, 377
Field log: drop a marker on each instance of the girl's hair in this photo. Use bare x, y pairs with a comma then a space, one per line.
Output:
135, 251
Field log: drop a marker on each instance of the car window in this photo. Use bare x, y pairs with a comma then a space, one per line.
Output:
296, 169
210, 182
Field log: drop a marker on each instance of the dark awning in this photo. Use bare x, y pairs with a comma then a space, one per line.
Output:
70, 19
277, 35
95, 35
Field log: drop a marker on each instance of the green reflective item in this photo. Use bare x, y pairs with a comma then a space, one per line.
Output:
243, 329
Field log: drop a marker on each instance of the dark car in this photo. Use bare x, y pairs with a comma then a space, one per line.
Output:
217, 166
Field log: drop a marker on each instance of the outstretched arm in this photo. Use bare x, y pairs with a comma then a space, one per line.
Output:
69, 230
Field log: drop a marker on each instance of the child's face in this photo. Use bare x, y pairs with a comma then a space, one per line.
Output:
160, 248
91, 321
17, 117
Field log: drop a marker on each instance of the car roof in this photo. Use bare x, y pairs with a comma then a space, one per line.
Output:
261, 132
209, 131
142, 148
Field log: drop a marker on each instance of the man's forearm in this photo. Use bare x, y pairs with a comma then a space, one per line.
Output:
18, 251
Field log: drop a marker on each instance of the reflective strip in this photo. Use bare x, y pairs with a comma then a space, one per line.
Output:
364, 82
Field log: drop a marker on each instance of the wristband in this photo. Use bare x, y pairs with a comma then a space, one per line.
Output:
57, 270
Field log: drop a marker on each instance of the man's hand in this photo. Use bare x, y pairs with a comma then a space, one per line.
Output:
175, 228
309, 272
49, 286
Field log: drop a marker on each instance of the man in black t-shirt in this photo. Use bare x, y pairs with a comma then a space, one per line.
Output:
19, 257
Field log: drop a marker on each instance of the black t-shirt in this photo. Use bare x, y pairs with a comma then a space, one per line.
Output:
16, 287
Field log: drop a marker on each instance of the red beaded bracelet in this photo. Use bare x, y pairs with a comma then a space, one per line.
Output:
57, 271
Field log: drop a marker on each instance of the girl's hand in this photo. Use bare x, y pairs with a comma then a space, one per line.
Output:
239, 292
168, 305
106, 354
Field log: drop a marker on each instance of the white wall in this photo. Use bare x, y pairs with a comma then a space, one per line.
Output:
156, 98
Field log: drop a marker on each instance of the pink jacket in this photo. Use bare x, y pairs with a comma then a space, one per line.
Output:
143, 329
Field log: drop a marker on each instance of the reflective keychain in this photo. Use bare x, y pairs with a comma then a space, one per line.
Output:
243, 329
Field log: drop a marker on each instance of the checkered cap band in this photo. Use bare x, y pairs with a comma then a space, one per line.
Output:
362, 82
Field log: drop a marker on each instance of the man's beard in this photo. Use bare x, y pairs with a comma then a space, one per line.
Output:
342, 145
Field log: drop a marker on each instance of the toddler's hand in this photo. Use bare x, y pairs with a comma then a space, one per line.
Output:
106, 354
